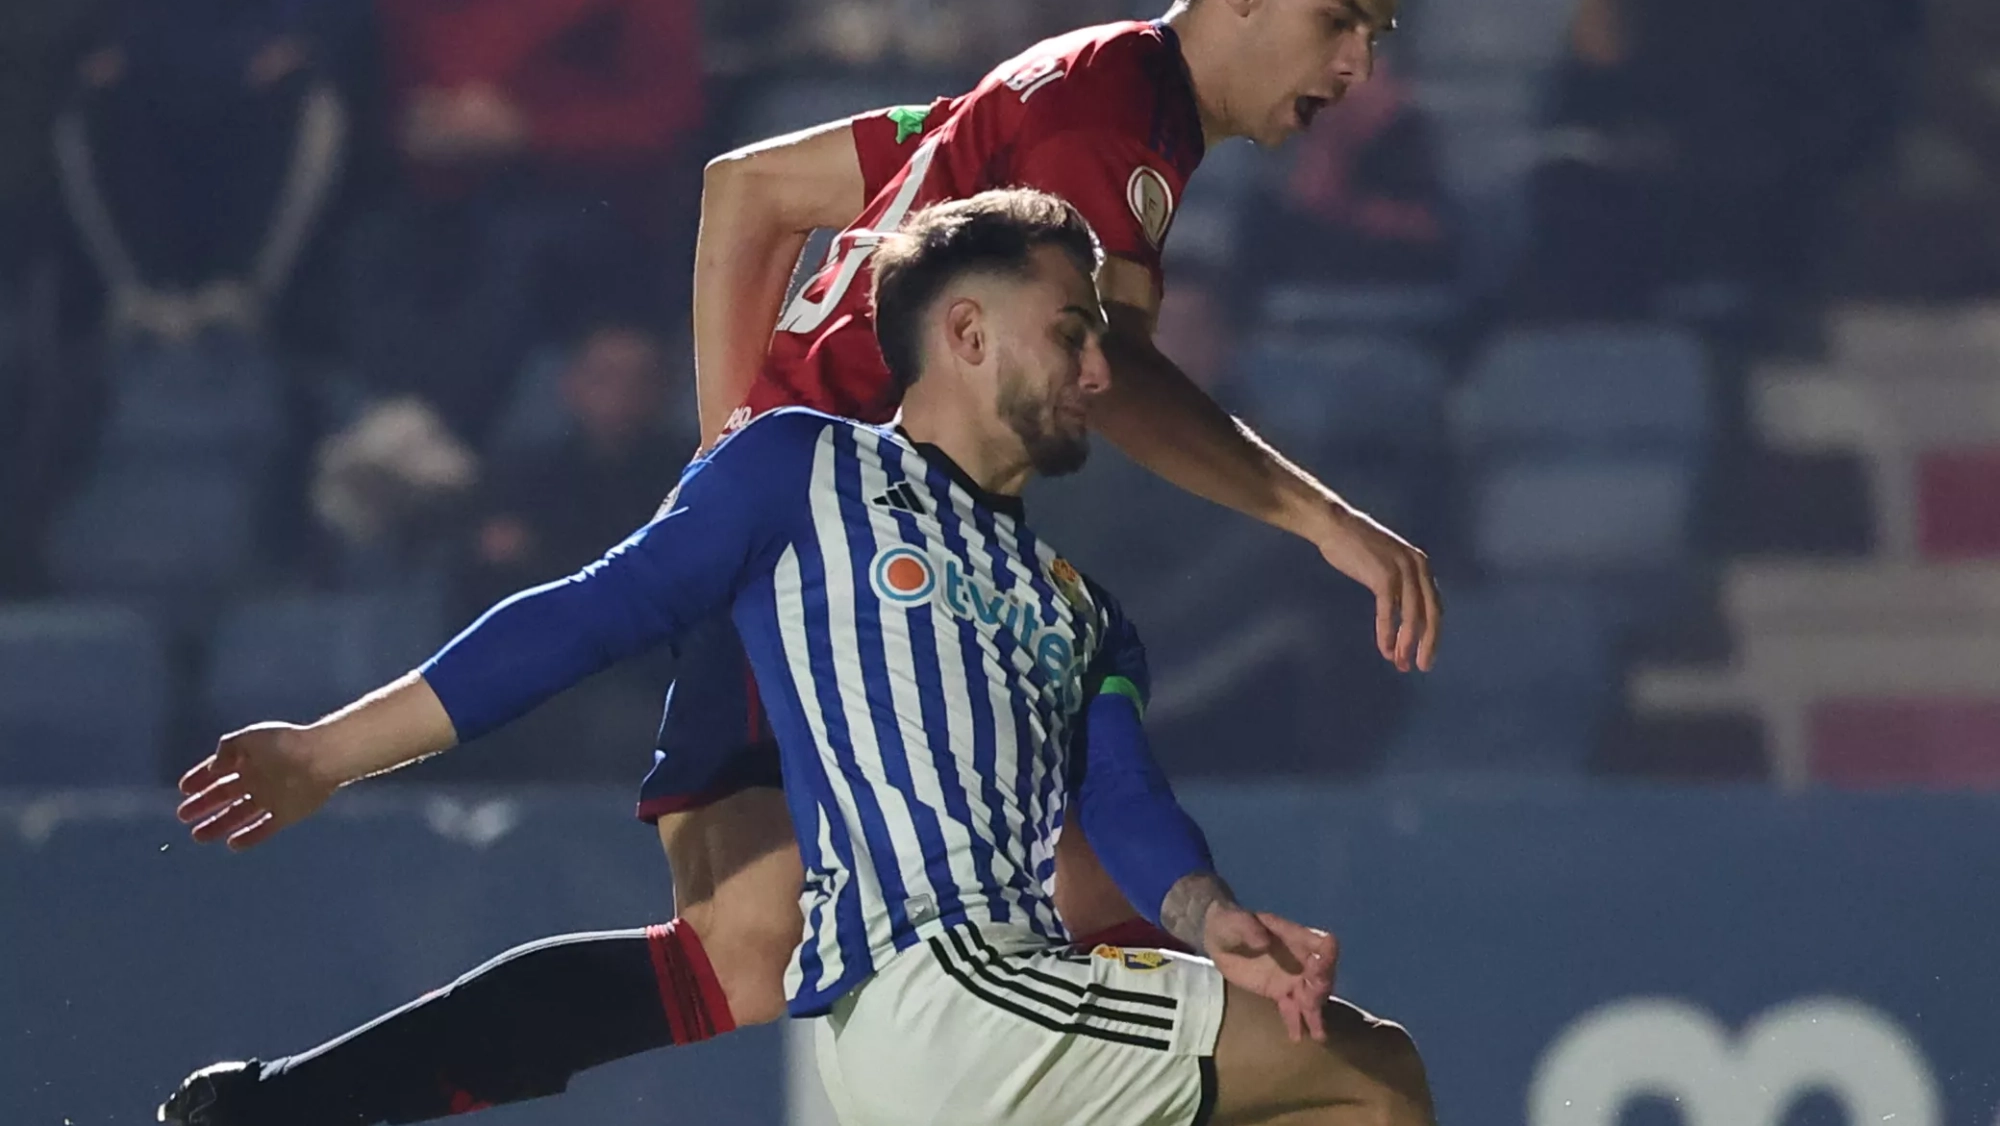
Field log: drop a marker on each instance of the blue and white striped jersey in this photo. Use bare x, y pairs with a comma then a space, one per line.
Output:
924, 660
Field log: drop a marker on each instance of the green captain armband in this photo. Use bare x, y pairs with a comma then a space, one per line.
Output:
1119, 686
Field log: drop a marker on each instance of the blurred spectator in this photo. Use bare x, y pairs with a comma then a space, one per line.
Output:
1703, 141
385, 488
547, 144
964, 37
1927, 224
201, 145
36, 46
548, 510
1362, 200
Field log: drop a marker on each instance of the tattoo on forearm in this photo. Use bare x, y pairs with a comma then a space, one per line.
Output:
1184, 912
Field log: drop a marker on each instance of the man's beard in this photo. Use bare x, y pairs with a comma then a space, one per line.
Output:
1051, 452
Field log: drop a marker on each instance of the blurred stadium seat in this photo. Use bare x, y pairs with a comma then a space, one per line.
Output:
169, 535
1587, 388
1526, 36
1528, 680
83, 695
297, 657
219, 399
1369, 392
1590, 515
1385, 308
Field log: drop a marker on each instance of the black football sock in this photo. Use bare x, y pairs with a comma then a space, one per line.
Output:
515, 1028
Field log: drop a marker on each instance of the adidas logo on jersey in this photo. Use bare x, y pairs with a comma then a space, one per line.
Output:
902, 498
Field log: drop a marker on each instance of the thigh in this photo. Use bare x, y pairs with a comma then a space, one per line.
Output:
1365, 1063
737, 875
966, 1030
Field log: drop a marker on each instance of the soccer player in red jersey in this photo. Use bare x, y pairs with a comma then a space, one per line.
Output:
1114, 119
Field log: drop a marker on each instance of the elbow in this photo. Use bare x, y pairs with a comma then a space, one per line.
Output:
722, 174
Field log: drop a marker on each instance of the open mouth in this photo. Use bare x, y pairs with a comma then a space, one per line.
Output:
1307, 107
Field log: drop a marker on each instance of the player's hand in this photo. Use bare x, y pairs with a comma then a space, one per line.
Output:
1408, 610
1276, 958
258, 781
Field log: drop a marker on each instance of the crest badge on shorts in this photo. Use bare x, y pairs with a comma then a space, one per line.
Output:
1133, 958
1151, 201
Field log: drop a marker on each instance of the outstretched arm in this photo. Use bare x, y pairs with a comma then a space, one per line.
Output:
684, 566
1165, 422
758, 205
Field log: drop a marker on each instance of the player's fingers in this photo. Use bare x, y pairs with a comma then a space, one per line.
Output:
1313, 1009
1385, 620
1288, 1011
1433, 614
201, 776
228, 821
1315, 952
1410, 607
255, 833
218, 795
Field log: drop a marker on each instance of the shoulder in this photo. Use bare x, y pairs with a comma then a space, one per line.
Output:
1123, 81
775, 449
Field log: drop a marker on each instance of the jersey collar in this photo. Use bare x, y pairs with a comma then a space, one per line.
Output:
1011, 506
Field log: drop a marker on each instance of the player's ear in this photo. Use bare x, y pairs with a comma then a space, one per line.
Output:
965, 331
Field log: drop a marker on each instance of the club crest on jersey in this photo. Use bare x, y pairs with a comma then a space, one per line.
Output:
1066, 581
1141, 960
1151, 201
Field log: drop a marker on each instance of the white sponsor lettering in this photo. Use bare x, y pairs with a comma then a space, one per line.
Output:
1670, 1049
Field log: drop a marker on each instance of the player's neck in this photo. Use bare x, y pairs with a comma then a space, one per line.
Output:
1208, 68
984, 448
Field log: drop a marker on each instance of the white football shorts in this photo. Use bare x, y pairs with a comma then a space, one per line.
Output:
991, 1026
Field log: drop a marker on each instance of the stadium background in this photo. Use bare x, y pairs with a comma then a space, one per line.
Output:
1667, 327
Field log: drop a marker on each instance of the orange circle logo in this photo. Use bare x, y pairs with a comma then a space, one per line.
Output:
902, 575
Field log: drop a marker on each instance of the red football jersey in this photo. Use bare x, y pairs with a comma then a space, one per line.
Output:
1103, 117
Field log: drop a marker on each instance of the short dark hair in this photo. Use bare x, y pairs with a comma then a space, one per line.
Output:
992, 232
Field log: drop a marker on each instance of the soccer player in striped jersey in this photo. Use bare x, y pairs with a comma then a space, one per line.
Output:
1113, 119
946, 690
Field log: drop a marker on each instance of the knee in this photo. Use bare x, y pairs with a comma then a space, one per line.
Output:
1406, 1086
748, 954
1394, 1088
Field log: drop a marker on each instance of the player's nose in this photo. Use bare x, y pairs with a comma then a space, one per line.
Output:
1095, 376
1354, 58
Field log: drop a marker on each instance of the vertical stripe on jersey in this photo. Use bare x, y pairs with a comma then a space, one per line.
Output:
843, 698
843, 525
925, 709
1029, 737
964, 746
1057, 748
1023, 554
996, 661
807, 637
824, 958
959, 644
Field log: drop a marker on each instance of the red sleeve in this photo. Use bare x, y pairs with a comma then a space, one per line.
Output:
1121, 186
884, 139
